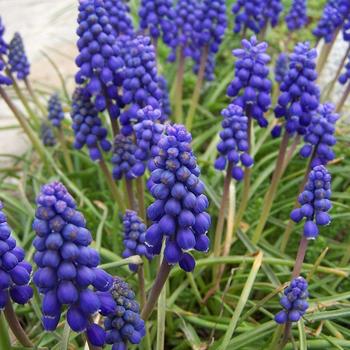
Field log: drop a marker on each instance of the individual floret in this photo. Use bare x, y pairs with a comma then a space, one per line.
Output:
179, 211
294, 301
315, 202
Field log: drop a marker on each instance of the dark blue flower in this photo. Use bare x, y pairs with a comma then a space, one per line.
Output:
320, 139
124, 324
297, 16
294, 301
299, 92
3, 44
165, 101
315, 202
233, 146
56, 114
134, 237
119, 16
344, 77
46, 135
100, 62
87, 125
251, 88
179, 211
18, 61
4, 80
14, 270
281, 67
67, 266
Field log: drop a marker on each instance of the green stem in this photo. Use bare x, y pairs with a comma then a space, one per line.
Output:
162, 276
35, 97
341, 102
24, 124
65, 152
15, 326
197, 89
141, 279
161, 316
130, 193
179, 86
140, 193
271, 193
111, 184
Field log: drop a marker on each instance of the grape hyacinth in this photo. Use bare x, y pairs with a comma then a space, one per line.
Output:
87, 125
297, 16
281, 67
46, 135
123, 159
67, 267
157, 17
165, 101
99, 60
209, 73
4, 80
234, 146
147, 133
315, 202
3, 44
345, 77
186, 12
141, 84
320, 138
18, 61
294, 301
179, 212
134, 237
248, 14
271, 11
14, 270
299, 93
56, 114
123, 323
251, 88
119, 17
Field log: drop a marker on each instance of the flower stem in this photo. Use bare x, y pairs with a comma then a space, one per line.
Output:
34, 96
157, 287
65, 152
140, 193
341, 102
130, 193
141, 279
24, 124
179, 85
325, 51
271, 193
339, 70
15, 326
197, 89
111, 184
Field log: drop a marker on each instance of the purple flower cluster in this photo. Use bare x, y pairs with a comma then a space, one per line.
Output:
14, 270
234, 146
211, 24
320, 138
134, 237
141, 83
4, 80
56, 114
315, 202
297, 16
119, 17
332, 18
87, 125
99, 59
294, 301
165, 101
186, 14
251, 88
67, 266
148, 133
272, 11
157, 16
123, 159
3, 44
344, 77
281, 67
18, 60
179, 211
209, 73
123, 323
46, 135
300, 95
